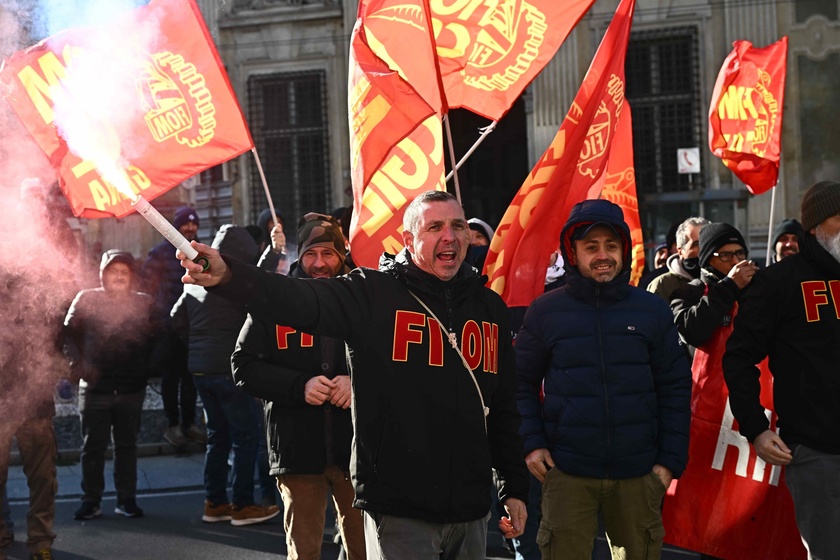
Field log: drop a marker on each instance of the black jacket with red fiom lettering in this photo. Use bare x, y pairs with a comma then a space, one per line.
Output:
274, 363
420, 447
791, 313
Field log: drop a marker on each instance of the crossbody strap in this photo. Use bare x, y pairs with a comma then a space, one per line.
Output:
453, 341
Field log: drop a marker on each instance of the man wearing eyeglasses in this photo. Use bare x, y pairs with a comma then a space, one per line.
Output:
704, 308
706, 304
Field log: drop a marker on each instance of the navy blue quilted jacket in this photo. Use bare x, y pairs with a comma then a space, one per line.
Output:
617, 384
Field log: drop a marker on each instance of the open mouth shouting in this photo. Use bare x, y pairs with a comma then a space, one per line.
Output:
447, 256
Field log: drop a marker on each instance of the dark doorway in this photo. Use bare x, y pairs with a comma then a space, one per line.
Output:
494, 172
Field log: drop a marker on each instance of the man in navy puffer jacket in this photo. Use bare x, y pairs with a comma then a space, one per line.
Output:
612, 431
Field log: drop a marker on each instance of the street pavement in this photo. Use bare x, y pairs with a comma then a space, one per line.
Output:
170, 490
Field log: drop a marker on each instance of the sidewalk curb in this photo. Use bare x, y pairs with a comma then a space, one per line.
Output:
71, 456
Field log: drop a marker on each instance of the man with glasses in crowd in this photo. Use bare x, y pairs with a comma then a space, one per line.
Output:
707, 303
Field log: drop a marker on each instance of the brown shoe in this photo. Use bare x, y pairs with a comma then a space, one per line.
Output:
214, 514
248, 515
196, 434
175, 436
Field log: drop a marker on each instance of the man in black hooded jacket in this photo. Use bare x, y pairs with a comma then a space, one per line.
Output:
427, 431
791, 313
305, 384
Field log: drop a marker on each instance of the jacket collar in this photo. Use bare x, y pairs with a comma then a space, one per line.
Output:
812, 251
589, 290
411, 276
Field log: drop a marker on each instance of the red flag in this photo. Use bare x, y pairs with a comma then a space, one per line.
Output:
145, 96
490, 51
745, 118
404, 54
395, 128
619, 187
728, 503
570, 167
393, 82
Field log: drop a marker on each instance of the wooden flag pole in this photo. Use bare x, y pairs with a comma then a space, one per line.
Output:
770, 225
265, 185
484, 132
452, 158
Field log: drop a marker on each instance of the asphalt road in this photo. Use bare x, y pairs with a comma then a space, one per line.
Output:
172, 528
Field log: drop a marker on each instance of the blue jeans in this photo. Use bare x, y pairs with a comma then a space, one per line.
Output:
526, 544
268, 484
231, 424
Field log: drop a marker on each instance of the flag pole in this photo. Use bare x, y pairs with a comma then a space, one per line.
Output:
265, 185
452, 158
444, 104
770, 224
484, 132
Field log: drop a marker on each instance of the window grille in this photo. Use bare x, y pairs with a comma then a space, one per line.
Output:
288, 116
808, 8
662, 71
213, 202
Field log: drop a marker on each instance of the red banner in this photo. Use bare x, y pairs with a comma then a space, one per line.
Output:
413, 166
745, 117
145, 96
619, 187
573, 163
728, 503
490, 51
395, 127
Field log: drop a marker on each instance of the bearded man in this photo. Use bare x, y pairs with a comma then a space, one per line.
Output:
791, 313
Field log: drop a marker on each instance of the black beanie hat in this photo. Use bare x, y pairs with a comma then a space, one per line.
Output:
786, 226
184, 215
714, 236
821, 201
319, 230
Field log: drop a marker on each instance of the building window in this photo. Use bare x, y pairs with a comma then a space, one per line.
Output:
288, 117
819, 84
662, 71
808, 8
662, 88
213, 201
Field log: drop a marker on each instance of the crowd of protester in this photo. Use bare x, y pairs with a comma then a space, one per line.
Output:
586, 395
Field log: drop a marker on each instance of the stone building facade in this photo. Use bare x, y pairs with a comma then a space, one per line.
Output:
287, 62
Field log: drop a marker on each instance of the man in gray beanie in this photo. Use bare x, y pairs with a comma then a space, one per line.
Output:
791, 313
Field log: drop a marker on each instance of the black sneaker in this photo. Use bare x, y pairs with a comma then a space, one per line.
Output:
128, 508
89, 510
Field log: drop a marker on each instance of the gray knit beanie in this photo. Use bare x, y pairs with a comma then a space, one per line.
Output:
821, 201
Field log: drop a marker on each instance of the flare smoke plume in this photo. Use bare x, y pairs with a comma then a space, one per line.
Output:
39, 257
